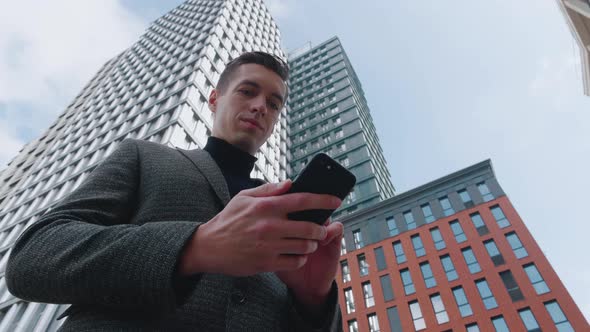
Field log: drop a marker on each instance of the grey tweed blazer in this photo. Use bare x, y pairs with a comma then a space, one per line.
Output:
110, 249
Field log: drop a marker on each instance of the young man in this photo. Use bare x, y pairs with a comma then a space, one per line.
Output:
172, 240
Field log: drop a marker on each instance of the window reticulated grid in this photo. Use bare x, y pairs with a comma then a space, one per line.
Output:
462, 302
486, 294
427, 275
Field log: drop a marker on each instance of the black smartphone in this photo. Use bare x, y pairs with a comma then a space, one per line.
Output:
322, 175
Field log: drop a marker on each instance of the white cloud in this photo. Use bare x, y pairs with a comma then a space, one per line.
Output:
49, 51
279, 8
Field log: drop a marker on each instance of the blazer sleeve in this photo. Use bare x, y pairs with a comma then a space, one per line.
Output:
85, 251
329, 321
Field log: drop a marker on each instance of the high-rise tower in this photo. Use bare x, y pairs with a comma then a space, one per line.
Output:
329, 113
156, 90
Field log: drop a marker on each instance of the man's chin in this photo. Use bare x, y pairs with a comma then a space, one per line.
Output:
246, 144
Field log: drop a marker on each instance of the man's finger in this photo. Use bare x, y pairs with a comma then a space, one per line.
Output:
289, 262
296, 246
306, 201
301, 230
268, 189
335, 231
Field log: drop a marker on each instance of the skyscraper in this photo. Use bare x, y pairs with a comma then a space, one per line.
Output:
329, 113
450, 255
156, 90
577, 17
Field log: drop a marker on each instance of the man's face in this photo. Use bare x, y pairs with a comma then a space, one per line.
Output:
247, 110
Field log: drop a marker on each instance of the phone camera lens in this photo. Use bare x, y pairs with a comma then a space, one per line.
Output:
329, 167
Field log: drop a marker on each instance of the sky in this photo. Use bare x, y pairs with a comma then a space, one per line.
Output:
449, 83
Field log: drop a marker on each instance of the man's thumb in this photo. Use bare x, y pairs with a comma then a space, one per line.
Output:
270, 189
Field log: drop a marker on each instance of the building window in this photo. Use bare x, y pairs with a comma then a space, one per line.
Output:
410, 222
536, 279
528, 320
516, 245
373, 323
418, 245
386, 287
419, 323
351, 197
561, 322
394, 320
499, 216
458, 231
479, 224
393, 230
471, 260
344, 161
428, 217
439, 309
358, 239
363, 265
345, 271
439, 242
380, 258
472, 327
485, 292
407, 281
494, 253
349, 300
447, 264
511, 286
500, 324
353, 326
427, 274
485, 192
446, 206
342, 246
400, 256
462, 302
368, 294
465, 198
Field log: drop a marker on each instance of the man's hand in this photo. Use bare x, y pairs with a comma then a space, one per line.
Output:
252, 234
312, 282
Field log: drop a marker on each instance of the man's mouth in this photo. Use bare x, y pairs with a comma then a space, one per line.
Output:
254, 123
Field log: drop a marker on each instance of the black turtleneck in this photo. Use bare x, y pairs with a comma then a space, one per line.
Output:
235, 164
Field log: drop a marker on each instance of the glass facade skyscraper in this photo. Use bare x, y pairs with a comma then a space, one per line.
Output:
155, 90
329, 113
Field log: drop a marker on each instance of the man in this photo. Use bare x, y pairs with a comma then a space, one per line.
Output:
172, 240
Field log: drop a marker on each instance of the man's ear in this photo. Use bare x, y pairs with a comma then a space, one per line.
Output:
213, 101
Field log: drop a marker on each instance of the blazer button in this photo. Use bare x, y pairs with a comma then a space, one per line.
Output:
238, 297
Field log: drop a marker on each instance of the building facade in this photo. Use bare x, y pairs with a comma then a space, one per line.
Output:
329, 113
577, 17
451, 255
155, 90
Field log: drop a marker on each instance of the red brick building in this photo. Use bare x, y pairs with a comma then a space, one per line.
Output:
450, 255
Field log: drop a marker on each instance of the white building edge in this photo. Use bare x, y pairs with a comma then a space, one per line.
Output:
577, 16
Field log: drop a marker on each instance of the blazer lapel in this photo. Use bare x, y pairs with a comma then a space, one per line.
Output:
207, 166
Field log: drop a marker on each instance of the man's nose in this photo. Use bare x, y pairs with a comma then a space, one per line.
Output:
259, 105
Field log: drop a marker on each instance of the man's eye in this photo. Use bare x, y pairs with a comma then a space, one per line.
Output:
246, 92
274, 106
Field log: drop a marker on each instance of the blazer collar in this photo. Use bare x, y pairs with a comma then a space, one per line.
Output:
207, 166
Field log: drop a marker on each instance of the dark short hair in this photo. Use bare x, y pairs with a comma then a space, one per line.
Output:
270, 61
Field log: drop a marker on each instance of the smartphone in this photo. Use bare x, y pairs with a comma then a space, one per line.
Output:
322, 175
